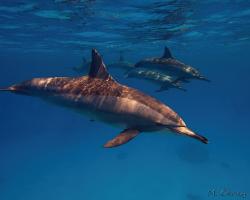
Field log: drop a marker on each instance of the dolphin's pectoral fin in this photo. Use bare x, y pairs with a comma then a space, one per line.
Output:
124, 137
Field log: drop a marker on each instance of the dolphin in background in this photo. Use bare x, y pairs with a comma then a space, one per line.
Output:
166, 82
83, 68
171, 66
121, 64
98, 95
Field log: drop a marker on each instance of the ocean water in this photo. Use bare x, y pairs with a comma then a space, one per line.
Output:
49, 152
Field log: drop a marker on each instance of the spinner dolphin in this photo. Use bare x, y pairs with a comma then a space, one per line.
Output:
121, 64
98, 95
171, 66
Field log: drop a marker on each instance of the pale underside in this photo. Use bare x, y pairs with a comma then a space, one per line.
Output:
121, 112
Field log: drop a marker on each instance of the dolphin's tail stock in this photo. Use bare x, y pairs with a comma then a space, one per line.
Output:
186, 131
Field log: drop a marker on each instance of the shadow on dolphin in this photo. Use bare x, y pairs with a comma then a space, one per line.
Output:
171, 66
100, 97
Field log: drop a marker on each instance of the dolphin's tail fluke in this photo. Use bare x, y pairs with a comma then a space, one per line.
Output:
186, 131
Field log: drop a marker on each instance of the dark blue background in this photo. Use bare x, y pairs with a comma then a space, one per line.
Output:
48, 152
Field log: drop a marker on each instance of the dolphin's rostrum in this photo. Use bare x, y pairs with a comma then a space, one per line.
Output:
102, 98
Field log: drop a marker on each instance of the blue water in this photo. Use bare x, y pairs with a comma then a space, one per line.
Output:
48, 152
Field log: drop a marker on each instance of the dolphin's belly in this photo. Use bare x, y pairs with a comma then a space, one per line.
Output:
122, 112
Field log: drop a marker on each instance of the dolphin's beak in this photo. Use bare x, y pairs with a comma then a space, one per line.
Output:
18, 89
8, 89
204, 78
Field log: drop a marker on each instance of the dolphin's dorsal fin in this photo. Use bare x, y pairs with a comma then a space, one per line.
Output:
167, 53
98, 68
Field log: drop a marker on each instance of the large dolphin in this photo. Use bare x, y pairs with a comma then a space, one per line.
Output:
166, 82
173, 67
102, 98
